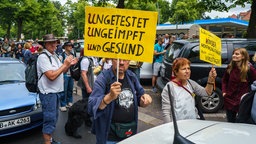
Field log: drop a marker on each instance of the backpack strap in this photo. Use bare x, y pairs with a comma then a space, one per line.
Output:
47, 56
63, 56
90, 60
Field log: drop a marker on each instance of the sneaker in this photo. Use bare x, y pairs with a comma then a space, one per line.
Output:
55, 142
154, 89
69, 104
63, 109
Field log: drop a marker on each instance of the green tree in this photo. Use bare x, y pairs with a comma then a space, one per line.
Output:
34, 18
76, 18
7, 10
140, 5
165, 11
218, 5
185, 11
26, 10
172, 8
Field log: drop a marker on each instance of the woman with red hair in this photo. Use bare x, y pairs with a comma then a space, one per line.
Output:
183, 90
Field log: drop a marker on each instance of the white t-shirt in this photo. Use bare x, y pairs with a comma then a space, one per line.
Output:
85, 64
43, 65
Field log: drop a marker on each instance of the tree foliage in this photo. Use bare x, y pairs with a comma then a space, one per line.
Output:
34, 18
164, 10
185, 11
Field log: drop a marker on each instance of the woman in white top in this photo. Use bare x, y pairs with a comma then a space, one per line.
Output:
183, 91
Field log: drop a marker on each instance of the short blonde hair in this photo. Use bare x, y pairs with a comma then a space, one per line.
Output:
27, 45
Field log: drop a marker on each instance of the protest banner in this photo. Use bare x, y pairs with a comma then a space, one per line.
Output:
120, 33
210, 47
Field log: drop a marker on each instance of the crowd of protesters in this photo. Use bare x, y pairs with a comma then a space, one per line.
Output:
23, 50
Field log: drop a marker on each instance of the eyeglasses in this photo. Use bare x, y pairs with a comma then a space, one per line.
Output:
121, 60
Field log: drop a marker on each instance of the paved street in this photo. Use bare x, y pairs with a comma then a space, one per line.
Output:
148, 118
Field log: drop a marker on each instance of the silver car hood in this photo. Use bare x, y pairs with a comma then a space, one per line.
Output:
197, 131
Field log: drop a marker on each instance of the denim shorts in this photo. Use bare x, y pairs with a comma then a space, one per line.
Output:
50, 105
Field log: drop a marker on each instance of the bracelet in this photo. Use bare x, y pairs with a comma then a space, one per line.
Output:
210, 83
104, 101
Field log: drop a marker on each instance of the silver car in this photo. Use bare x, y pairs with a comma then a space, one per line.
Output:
197, 131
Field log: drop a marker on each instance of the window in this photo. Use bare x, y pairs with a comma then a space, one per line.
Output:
173, 51
194, 55
12, 72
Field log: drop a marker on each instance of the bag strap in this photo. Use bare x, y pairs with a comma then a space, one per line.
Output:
200, 113
179, 84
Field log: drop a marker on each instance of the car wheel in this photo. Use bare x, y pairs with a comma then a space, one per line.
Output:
211, 104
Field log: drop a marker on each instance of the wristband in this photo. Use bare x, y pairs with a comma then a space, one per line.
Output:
210, 83
104, 101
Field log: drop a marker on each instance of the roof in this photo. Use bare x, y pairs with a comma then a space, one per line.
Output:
220, 21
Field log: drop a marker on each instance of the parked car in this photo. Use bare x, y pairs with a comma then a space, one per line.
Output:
200, 69
146, 71
20, 110
198, 132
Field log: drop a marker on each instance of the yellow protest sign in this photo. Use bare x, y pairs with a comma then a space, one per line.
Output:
210, 47
120, 33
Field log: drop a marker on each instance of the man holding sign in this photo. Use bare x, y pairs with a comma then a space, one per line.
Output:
129, 35
114, 104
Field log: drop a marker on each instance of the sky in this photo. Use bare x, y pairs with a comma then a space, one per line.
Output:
212, 14
235, 11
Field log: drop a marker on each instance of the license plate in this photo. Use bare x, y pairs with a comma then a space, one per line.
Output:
14, 123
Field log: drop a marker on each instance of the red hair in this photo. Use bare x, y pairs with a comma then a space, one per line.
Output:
177, 63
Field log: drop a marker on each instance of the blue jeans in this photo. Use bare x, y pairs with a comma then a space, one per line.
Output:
68, 91
50, 105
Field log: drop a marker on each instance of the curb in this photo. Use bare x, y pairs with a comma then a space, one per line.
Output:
149, 119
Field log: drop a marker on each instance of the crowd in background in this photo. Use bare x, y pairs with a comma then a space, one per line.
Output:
21, 50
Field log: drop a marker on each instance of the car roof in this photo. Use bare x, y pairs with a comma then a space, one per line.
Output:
222, 39
196, 41
9, 60
197, 131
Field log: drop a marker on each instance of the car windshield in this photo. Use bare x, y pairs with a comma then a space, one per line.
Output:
173, 51
12, 72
